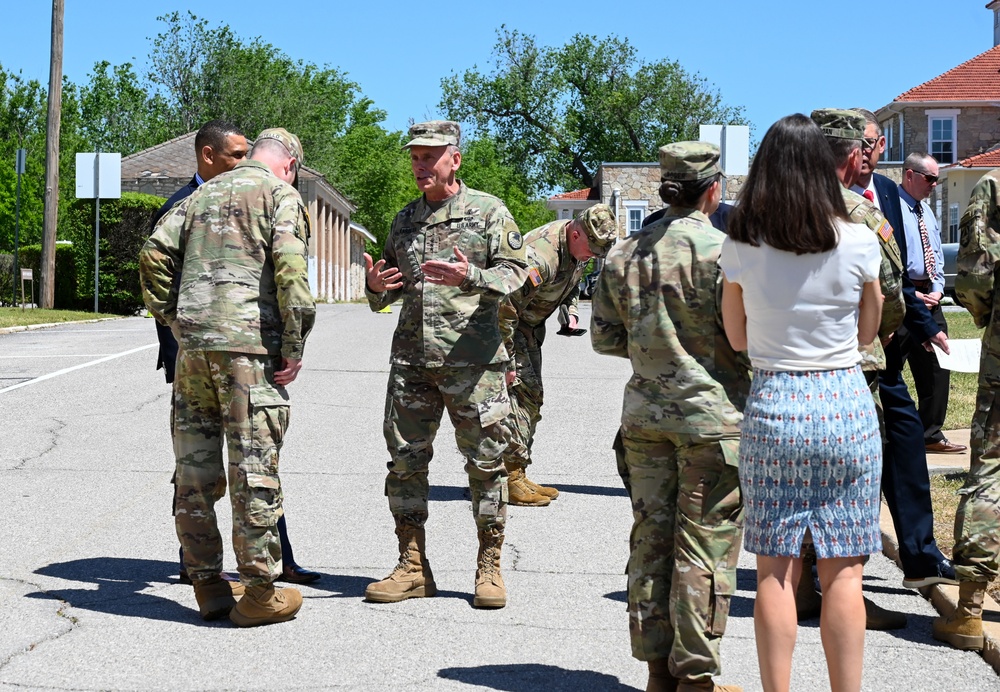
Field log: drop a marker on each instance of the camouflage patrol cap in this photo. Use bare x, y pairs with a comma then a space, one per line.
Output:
287, 139
598, 222
434, 133
839, 123
689, 161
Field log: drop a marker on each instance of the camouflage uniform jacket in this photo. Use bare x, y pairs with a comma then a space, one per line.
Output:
659, 303
978, 260
558, 281
890, 276
239, 245
452, 326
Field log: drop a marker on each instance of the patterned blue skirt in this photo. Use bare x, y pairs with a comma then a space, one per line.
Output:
811, 458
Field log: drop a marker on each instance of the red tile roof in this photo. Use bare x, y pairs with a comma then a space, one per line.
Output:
988, 159
977, 79
584, 194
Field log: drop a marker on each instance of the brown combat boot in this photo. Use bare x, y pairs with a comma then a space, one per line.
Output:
878, 618
412, 576
490, 590
548, 492
216, 597
660, 679
964, 629
520, 493
265, 605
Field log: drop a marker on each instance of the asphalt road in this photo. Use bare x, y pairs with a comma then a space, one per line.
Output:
89, 598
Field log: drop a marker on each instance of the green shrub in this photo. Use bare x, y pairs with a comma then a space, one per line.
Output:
65, 297
125, 226
6, 279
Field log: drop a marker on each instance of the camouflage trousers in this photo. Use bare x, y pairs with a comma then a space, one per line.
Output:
687, 528
526, 398
216, 394
977, 521
476, 400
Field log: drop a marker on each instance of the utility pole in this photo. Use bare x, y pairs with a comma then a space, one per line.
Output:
48, 262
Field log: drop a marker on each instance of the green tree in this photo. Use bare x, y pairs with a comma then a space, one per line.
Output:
177, 65
22, 124
117, 114
565, 110
485, 167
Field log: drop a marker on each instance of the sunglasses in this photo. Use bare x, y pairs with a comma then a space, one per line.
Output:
931, 179
868, 143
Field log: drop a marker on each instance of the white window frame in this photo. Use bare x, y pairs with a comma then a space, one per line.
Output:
565, 214
943, 114
954, 216
641, 206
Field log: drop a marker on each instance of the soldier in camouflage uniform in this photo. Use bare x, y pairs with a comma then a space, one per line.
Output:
845, 131
226, 269
558, 253
451, 256
976, 554
658, 302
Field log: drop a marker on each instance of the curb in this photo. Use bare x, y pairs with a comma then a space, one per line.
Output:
944, 597
29, 327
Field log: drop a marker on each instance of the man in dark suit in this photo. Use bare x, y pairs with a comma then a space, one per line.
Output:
905, 480
219, 146
718, 218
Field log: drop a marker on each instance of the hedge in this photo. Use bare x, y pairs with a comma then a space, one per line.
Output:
65, 297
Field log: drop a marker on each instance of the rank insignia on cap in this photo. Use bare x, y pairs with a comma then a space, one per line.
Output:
884, 231
534, 276
514, 240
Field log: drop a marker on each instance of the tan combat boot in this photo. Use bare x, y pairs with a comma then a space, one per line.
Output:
216, 597
265, 605
660, 679
548, 492
706, 685
964, 629
412, 576
878, 618
520, 493
490, 590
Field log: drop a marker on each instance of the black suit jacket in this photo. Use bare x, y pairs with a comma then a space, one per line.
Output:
167, 356
918, 320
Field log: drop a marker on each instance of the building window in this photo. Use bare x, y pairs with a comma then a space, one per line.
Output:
941, 134
635, 212
565, 214
954, 216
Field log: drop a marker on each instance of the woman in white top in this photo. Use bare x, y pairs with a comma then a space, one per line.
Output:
801, 290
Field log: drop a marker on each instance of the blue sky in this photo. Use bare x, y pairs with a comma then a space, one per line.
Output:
773, 58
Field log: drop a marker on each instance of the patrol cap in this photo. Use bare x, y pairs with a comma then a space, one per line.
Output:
689, 161
598, 222
839, 123
434, 133
288, 140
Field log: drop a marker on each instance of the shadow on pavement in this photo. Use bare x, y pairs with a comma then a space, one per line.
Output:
590, 490
533, 676
349, 586
449, 493
119, 582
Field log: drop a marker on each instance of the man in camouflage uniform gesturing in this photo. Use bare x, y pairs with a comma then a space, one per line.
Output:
976, 554
557, 255
658, 303
241, 311
451, 256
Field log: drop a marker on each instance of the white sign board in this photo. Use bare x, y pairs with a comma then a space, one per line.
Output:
27, 275
98, 175
734, 141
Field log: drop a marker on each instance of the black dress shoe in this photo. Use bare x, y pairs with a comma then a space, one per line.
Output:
945, 574
297, 575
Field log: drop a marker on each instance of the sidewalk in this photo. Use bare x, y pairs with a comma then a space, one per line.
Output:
945, 598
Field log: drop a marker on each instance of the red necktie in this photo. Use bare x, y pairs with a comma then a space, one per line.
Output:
869, 195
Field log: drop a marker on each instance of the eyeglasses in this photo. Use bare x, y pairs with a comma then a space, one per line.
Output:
868, 143
931, 179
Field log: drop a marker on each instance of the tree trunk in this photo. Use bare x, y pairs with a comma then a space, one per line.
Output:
48, 260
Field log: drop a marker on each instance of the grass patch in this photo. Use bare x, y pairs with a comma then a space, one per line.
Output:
944, 498
16, 317
962, 396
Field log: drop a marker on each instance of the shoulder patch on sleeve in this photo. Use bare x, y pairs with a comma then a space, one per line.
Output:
884, 231
515, 240
535, 276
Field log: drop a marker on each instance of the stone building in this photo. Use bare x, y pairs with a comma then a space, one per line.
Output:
631, 189
336, 246
955, 117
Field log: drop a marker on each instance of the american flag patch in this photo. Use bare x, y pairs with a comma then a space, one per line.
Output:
534, 276
884, 231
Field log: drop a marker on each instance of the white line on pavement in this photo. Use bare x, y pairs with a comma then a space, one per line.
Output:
64, 355
76, 367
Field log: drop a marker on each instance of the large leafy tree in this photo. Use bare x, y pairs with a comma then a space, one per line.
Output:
117, 113
485, 167
562, 111
22, 125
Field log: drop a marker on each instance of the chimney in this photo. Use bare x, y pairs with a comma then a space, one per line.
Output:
995, 6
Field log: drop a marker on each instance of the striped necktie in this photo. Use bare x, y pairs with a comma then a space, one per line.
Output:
929, 264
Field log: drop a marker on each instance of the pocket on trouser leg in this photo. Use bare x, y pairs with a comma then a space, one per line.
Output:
269, 416
263, 495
